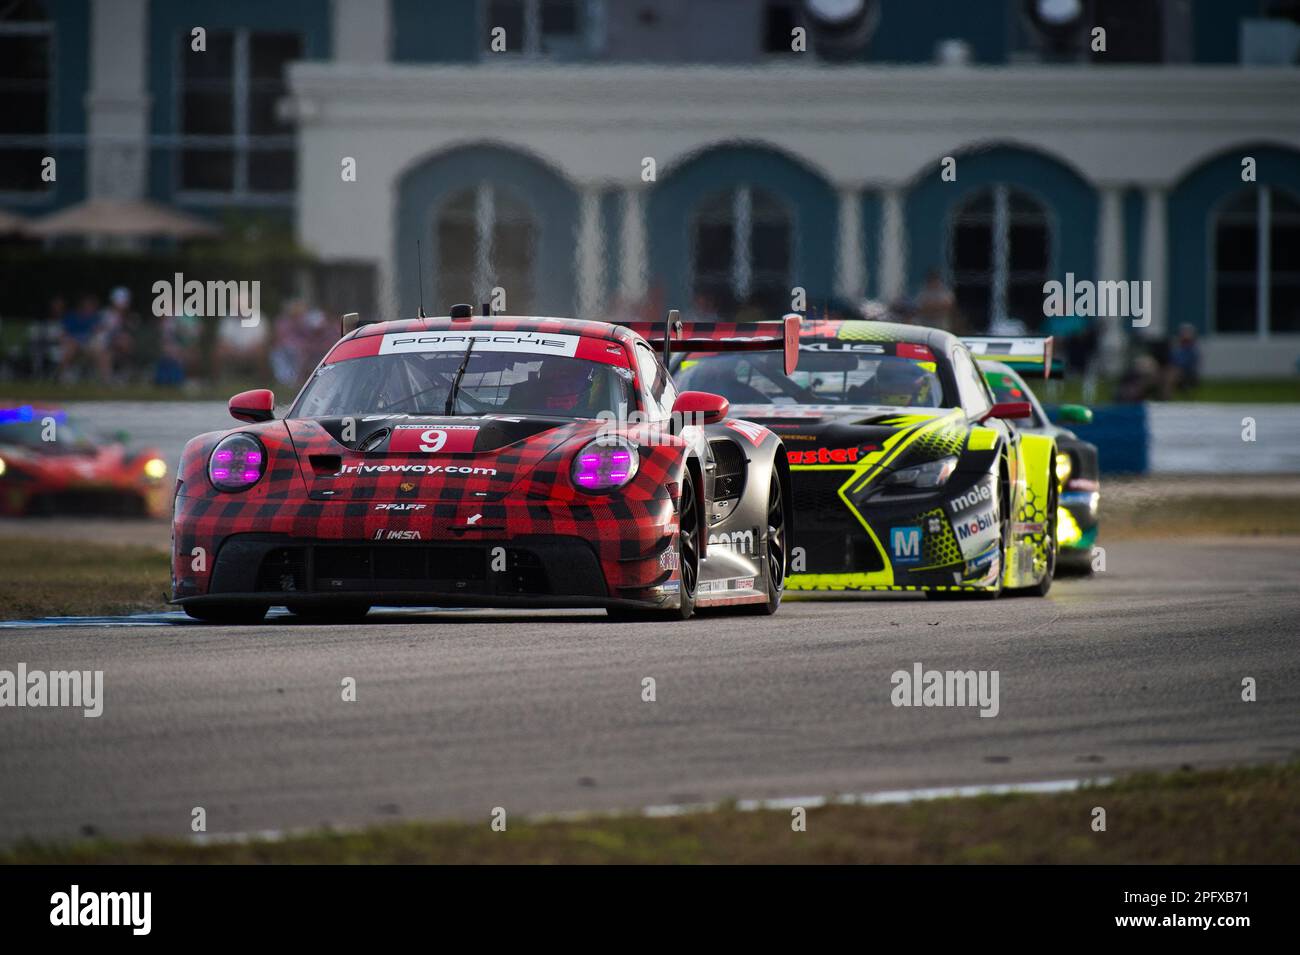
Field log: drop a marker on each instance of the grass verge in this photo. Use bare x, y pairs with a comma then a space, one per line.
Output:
43, 578
1188, 515
1240, 815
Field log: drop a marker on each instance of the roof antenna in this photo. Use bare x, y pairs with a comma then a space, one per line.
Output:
419, 274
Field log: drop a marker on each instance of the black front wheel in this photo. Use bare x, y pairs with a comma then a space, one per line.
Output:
776, 553
688, 562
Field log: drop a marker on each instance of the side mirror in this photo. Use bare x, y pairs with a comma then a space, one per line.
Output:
1011, 410
255, 405
1073, 414
708, 407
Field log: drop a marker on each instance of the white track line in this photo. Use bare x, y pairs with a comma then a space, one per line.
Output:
883, 798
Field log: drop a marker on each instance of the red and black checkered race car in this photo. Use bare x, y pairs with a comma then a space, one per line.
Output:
489, 461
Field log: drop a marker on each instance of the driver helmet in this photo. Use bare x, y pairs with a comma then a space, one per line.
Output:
901, 383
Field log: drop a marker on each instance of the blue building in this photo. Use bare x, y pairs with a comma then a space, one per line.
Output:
609, 156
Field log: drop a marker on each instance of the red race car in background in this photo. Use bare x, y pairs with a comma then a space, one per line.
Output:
489, 461
49, 467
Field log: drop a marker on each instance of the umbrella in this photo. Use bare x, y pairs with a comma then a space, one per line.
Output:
121, 218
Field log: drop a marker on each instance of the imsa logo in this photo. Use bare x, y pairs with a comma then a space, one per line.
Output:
383, 534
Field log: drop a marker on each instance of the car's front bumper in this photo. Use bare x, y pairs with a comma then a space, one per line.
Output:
920, 541
518, 553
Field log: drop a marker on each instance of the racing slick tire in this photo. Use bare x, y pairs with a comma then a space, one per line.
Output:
776, 553
339, 613
1041, 588
688, 563
234, 614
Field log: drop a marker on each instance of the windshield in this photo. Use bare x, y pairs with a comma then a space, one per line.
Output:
829, 373
1007, 387
418, 383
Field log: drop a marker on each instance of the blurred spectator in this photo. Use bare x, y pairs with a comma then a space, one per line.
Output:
178, 356
321, 336
241, 349
302, 336
289, 342
751, 311
83, 342
874, 310
45, 340
120, 328
703, 308
936, 306
1141, 382
1075, 341
1185, 359
903, 310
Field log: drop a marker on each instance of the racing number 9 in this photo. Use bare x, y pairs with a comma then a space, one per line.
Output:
436, 438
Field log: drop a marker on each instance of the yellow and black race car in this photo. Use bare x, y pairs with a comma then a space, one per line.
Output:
907, 474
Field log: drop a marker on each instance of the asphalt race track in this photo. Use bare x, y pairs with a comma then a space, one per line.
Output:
459, 712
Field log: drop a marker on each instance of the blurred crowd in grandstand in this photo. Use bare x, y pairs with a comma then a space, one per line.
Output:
1153, 369
114, 342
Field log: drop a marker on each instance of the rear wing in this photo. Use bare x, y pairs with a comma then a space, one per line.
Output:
722, 336
1032, 356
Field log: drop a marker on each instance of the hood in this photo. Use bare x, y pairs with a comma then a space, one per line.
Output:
397, 458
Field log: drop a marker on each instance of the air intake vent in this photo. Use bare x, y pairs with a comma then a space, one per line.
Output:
373, 440
730, 464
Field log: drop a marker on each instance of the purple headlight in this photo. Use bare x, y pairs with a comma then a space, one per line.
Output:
237, 463
599, 467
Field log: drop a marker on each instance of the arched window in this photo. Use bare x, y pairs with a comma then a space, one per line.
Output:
486, 238
741, 252
1257, 263
999, 253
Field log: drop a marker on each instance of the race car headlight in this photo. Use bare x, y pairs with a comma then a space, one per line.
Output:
603, 465
929, 474
237, 463
1064, 467
155, 468
3, 467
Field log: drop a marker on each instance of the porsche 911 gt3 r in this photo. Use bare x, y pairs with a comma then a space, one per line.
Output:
487, 461
907, 474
